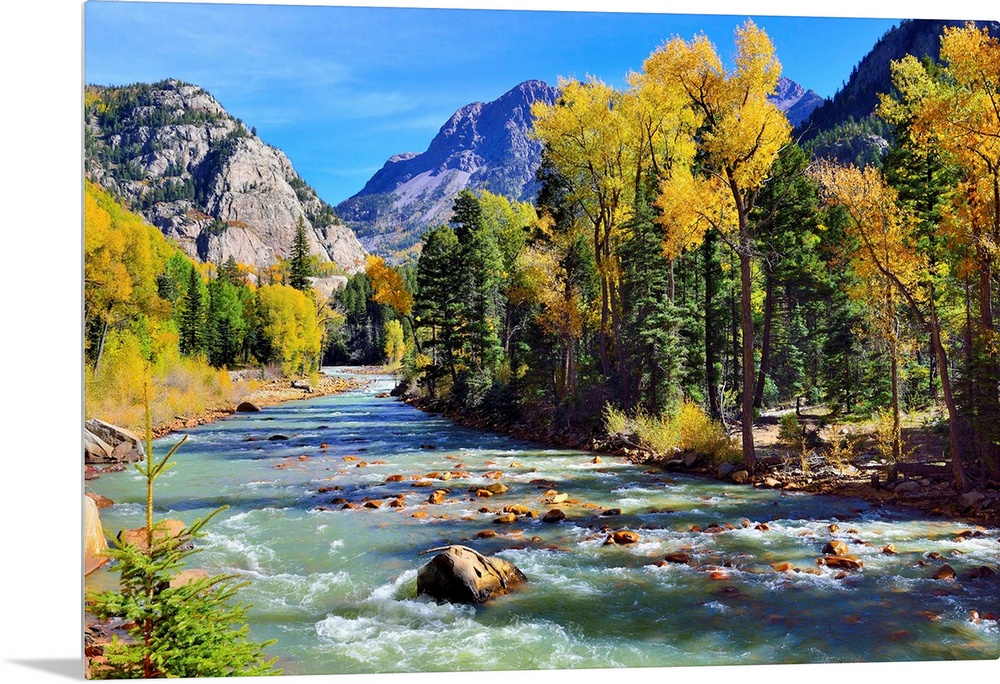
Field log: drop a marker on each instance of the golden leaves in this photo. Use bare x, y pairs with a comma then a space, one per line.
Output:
388, 286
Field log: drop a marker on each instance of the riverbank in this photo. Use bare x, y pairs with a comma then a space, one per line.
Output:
263, 393
931, 491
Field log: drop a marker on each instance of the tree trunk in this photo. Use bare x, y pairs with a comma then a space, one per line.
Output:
711, 350
897, 448
765, 343
954, 427
746, 320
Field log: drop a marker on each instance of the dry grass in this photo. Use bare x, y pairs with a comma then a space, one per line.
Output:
179, 387
689, 430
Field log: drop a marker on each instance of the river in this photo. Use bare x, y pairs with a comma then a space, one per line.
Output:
337, 587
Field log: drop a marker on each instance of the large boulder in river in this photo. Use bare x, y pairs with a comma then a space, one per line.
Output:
126, 447
462, 575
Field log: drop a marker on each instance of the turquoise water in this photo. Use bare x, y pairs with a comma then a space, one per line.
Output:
337, 588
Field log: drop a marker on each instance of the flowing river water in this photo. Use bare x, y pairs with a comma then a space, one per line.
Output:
337, 587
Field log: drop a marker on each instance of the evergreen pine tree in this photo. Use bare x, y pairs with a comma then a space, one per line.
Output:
193, 313
175, 628
438, 304
299, 268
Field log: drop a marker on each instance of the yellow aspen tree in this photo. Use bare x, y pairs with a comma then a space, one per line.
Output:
740, 137
387, 285
958, 116
588, 140
886, 251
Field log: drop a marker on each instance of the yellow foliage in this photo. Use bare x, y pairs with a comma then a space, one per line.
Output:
741, 133
690, 429
395, 347
180, 386
292, 328
388, 286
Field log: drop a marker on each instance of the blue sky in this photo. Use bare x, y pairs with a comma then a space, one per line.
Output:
340, 89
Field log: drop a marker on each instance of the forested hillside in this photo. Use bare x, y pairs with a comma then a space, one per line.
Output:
686, 263
148, 306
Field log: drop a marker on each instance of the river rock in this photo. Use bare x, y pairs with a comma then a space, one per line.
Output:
437, 496
125, 447
462, 575
836, 548
161, 530
622, 537
497, 488
608, 512
970, 499
908, 487
95, 449
945, 572
725, 470
99, 499
740, 476
187, 577
681, 557
979, 573
247, 407
95, 545
554, 515
842, 562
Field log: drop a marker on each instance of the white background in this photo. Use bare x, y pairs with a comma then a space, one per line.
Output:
40, 358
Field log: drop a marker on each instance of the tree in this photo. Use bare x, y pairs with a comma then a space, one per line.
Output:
480, 290
954, 117
291, 327
395, 346
193, 314
225, 323
176, 628
887, 252
299, 267
741, 135
438, 304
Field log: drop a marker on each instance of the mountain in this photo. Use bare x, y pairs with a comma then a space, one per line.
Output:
796, 102
859, 96
482, 146
174, 154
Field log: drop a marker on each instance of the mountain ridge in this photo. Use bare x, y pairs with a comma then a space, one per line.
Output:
483, 145
173, 153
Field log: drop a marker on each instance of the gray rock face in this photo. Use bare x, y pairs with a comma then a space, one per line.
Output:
482, 146
461, 575
106, 443
796, 102
206, 180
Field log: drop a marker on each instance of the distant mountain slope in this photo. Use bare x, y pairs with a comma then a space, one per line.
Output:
203, 178
482, 146
796, 102
859, 96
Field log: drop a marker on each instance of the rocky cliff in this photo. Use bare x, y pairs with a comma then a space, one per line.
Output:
205, 179
482, 146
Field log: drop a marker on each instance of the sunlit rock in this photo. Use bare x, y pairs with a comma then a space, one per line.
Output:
462, 575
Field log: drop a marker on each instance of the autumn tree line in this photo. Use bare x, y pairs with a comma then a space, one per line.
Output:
149, 308
684, 250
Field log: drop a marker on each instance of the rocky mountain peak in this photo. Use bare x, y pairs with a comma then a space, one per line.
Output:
177, 157
795, 101
481, 146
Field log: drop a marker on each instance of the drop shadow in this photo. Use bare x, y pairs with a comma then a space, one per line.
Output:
71, 668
